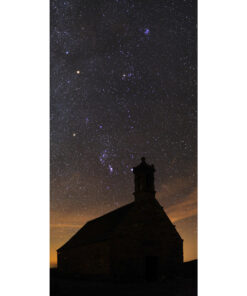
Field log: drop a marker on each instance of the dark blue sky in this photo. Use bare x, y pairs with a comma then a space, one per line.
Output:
123, 86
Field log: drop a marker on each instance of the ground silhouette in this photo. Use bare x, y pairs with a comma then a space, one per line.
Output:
181, 283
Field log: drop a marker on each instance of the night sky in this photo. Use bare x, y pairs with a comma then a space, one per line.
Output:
123, 85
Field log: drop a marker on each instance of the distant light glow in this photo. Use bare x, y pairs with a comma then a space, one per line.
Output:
78, 72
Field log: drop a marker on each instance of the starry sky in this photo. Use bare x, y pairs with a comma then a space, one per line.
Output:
123, 84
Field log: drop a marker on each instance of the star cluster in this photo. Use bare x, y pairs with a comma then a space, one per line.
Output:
123, 86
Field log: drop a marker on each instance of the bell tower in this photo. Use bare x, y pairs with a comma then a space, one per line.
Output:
144, 181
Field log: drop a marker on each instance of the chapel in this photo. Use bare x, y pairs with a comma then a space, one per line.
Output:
135, 241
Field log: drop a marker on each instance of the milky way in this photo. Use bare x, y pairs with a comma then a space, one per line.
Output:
123, 86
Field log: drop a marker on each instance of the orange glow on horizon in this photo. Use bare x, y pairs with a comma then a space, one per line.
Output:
63, 227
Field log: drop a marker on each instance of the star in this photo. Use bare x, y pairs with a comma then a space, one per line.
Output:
116, 95
146, 31
110, 168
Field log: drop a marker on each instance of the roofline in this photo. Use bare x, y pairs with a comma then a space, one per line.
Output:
110, 212
131, 203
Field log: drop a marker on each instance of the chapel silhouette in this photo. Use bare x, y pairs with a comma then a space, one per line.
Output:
136, 241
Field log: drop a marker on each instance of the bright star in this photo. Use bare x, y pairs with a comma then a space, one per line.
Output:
146, 31
110, 168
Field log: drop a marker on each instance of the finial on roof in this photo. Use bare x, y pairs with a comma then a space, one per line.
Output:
143, 159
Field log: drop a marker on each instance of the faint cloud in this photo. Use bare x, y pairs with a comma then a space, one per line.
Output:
179, 198
59, 225
185, 209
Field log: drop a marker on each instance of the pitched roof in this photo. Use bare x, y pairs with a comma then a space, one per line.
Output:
98, 229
